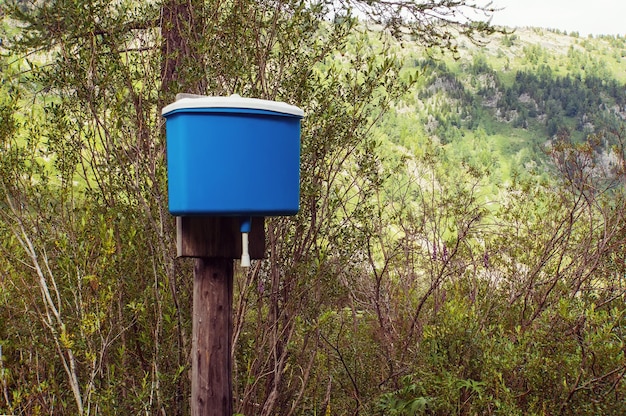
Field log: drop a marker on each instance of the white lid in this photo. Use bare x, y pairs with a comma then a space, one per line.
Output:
233, 101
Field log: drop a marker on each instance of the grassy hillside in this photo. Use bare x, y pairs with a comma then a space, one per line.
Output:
499, 105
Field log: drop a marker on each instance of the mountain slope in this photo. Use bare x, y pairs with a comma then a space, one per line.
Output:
501, 104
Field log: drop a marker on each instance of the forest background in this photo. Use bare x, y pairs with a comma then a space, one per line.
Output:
460, 244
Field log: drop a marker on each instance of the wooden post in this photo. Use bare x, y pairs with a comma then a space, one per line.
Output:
211, 382
214, 242
217, 237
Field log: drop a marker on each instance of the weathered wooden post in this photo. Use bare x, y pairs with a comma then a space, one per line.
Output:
231, 162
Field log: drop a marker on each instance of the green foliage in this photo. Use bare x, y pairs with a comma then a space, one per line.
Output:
405, 401
470, 361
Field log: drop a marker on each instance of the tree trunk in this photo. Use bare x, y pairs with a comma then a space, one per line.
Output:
181, 65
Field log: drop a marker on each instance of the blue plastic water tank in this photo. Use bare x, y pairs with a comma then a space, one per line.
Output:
233, 156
